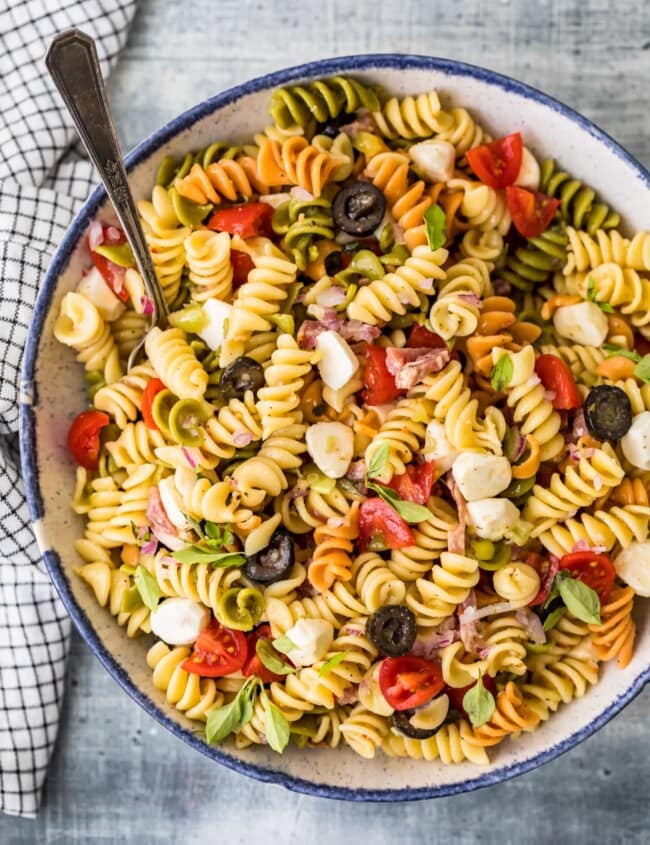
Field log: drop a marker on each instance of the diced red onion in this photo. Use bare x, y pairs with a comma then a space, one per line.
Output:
242, 439
113, 233
356, 470
275, 200
189, 457
150, 547
301, 194
579, 425
550, 395
469, 298
533, 623
473, 614
351, 695
331, 297
147, 305
95, 234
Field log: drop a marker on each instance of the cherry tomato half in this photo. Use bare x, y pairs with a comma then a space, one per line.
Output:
83, 437
497, 164
416, 483
556, 376
247, 220
421, 337
641, 345
531, 211
242, 264
457, 694
112, 273
594, 569
408, 681
379, 383
218, 651
254, 665
153, 388
379, 523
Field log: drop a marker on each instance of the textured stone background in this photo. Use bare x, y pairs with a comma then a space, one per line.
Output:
116, 775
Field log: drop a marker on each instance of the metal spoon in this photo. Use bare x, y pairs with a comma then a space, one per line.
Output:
73, 64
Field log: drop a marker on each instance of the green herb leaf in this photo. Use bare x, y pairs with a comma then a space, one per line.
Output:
642, 369
581, 600
409, 511
592, 294
624, 353
147, 587
269, 657
379, 461
222, 721
284, 645
200, 554
502, 373
195, 525
553, 618
436, 227
276, 727
332, 663
479, 704
555, 587
221, 534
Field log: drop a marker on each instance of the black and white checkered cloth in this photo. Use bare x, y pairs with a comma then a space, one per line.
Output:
43, 181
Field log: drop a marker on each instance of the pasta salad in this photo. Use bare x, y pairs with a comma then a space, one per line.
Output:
382, 480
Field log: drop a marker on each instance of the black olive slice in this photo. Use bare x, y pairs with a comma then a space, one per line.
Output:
401, 720
242, 375
274, 562
359, 208
334, 263
608, 412
392, 629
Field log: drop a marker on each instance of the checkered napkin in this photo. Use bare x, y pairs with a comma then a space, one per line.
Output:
43, 181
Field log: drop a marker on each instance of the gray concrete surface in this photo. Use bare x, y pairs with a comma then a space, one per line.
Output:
116, 775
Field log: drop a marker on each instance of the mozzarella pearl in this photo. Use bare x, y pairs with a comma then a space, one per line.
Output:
492, 518
633, 566
437, 448
636, 442
331, 446
311, 638
217, 312
435, 159
583, 323
338, 362
179, 621
481, 476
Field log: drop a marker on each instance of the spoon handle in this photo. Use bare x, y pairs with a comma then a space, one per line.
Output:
73, 64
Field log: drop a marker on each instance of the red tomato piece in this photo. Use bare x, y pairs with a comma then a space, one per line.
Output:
594, 569
556, 376
112, 273
153, 388
379, 383
531, 211
416, 483
497, 164
421, 337
254, 665
242, 264
83, 437
247, 220
547, 570
408, 681
379, 522
218, 651
641, 345
457, 694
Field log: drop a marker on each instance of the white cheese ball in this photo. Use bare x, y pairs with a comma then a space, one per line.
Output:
633, 566
216, 312
338, 362
583, 323
94, 288
492, 519
481, 476
436, 159
312, 639
331, 446
636, 442
437, 448
179, 621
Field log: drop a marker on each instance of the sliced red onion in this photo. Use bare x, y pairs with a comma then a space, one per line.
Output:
147, 305
95, 234
579, 425
275, 200
530, 620
150, 547
168, 560
113, 233
141, 533
356, 470
430, 646
459, 499
358, 332
331, 297
327, 316
469, 298
301, 194
473, 614
550, 395
189, 457
242, 439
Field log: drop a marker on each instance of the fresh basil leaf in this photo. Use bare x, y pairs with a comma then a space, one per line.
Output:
195, 525
409, 511
379, 461
284, 645
219, 534
198, 554
276, 727
553, 618
502, 373
332, 663
592, 295
269, 657
617, 351
555, 587
147, 587
436, 227
581, 600
642, 369
605, 307
223, 721
479, 704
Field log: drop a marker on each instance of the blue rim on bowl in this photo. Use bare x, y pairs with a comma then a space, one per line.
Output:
346, 64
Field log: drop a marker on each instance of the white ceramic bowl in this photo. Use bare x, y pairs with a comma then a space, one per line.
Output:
54, 392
